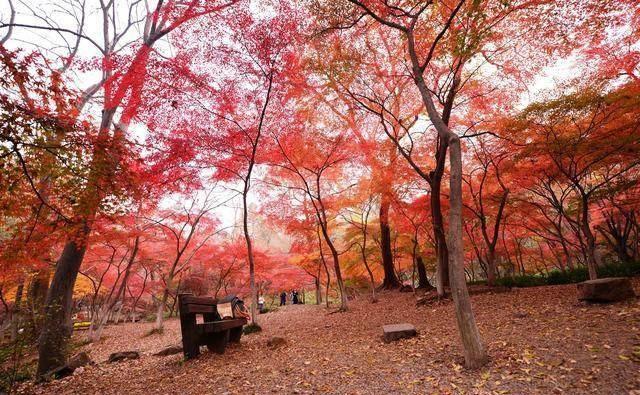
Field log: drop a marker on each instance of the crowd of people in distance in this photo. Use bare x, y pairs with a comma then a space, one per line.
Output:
293, 297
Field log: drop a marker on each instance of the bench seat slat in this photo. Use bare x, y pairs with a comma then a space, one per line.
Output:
187, 299
220, 326
199, 308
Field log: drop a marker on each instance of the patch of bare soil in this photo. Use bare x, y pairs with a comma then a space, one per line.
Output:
541, 340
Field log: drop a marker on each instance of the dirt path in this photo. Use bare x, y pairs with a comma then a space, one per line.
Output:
540, 341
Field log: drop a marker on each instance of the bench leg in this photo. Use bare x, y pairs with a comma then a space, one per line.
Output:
190, 346
217, 342
235, 334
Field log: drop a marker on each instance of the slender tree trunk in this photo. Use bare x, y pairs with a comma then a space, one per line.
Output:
474, 351
336, 268
372, 281
390, 279
245, 193
160, 312
326, 269
442, 252
316, 281
423, 281
96, 328
247, 237
567, 254
593, 258
16, 312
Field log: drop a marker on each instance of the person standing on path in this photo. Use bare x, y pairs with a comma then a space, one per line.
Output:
283, 298
294, 296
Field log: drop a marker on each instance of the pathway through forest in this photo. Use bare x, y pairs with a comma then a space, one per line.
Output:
541, 340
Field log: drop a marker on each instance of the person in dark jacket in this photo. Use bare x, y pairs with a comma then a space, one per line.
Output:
294, 296
283, 298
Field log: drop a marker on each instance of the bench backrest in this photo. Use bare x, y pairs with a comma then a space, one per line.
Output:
190, 304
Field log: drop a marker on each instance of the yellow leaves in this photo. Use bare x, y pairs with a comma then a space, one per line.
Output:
633, 356
349, 372
636, 352
527, 356
484, 377
592, 348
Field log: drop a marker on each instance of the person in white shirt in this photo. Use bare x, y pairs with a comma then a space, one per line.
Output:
261, 304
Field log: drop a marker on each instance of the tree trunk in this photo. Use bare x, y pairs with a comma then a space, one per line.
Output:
366, 265
442, 252
336, 268
318, 291
491, 268
593, 259
247, 237
57, 325
475, 355
16, 312
474, 352
326, 269
390, 279
423, 281
160, 312
37, 296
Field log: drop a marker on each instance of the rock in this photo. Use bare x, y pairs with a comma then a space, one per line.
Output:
78, 371
76, 362
171, 350
79, 360
432, 298
276, 342
398, 331
122, 355
605, 290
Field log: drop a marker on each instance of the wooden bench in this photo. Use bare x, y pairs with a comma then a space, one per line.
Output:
215, 332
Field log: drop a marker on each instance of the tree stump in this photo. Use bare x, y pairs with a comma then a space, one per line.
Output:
605, 290
122, 355
398, 331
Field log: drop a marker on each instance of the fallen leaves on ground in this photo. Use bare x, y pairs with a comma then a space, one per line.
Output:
541, 340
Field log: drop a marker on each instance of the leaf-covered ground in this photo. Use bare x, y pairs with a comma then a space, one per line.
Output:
541, 340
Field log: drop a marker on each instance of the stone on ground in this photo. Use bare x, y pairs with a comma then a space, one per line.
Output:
122, 355
604, 290
397, 331
80, 359
75, 362
171, 350
276, 342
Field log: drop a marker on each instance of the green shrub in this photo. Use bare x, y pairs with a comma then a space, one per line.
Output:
271, 309
576, 275
619, 270
251, 328
527, 280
